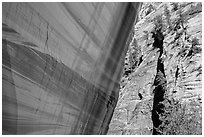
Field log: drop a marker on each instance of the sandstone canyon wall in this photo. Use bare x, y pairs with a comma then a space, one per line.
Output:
62, 64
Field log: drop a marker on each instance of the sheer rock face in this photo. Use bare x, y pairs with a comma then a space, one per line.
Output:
61, 65
181, 58
133, 112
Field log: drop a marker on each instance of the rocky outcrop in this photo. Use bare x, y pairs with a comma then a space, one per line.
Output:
151, 70
61, 65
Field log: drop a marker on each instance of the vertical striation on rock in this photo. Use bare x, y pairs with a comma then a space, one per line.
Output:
61, 65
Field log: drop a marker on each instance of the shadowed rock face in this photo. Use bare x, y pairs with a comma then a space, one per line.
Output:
61, 65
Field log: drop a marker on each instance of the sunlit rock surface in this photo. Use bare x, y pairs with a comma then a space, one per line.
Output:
182, 66
62, 64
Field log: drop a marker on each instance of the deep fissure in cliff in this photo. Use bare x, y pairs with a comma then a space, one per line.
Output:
159, 83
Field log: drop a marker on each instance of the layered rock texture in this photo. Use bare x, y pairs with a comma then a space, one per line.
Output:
61, 65
163, 59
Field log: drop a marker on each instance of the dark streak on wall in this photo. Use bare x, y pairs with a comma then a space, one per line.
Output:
159, 83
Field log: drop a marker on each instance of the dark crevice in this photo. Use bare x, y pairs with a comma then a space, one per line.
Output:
195, 12
176, 74
140, 96
47, 36
159, 83
158, 40
140, 60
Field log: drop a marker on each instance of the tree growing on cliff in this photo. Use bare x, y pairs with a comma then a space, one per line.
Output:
181, 118
168, 16
158, 22
175, 6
